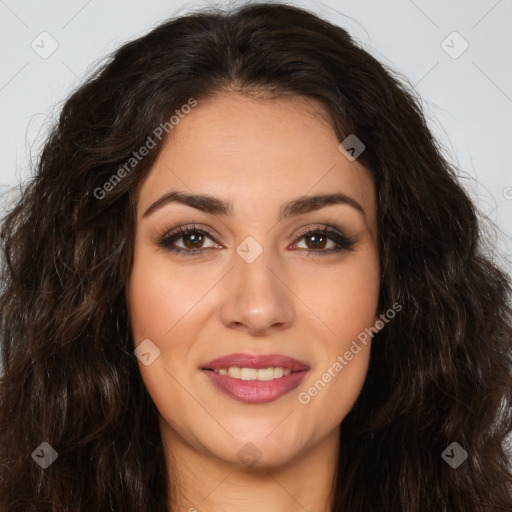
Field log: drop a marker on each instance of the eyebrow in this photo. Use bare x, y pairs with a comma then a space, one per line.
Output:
210, 204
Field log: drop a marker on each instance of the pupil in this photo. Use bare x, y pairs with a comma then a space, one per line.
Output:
193, 239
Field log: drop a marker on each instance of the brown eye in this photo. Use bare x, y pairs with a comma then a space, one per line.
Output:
316, 241
193, 240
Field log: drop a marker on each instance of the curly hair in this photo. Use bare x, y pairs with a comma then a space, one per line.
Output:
441, 371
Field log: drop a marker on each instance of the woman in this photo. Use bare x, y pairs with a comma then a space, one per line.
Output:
244, 277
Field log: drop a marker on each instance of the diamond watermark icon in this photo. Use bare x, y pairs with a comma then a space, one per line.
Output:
352, 147
454, 45
44, 455
45, 45
249, 454
249, 249
147, 352
454, 455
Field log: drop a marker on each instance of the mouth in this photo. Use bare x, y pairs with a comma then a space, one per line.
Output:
255, 378
254, 386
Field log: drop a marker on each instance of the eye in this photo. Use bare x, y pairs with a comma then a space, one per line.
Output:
319, 239
193, 240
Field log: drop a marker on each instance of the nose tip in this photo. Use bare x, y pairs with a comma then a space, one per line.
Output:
255, 298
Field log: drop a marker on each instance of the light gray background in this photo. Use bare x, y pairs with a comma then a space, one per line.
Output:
467, 97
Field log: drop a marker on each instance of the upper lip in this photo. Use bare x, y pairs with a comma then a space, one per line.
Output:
256, 361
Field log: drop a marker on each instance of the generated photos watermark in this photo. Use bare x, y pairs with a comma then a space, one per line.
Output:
304, 397
137, 156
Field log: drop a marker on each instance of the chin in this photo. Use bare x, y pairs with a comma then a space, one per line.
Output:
254, 453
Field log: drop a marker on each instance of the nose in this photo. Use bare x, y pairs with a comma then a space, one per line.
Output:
256, 297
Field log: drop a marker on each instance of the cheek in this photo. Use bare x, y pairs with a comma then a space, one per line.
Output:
345, 299
158, 303
346, 302
160, 296
150, 300
331, 391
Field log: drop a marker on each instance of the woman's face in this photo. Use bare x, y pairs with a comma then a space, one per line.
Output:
250, 280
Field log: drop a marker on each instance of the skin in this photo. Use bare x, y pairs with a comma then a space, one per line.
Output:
292, 300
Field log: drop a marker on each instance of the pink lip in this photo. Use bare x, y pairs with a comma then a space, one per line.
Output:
256, 361
256, 391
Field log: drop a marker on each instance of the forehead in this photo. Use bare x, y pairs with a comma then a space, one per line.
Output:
254, 152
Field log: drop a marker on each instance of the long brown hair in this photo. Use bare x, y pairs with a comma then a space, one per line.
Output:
440, 371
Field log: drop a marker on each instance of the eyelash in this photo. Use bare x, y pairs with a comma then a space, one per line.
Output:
343, 242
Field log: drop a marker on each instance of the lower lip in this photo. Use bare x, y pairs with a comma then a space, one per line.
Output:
255, 391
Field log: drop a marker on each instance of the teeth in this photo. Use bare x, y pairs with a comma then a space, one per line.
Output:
253, 373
